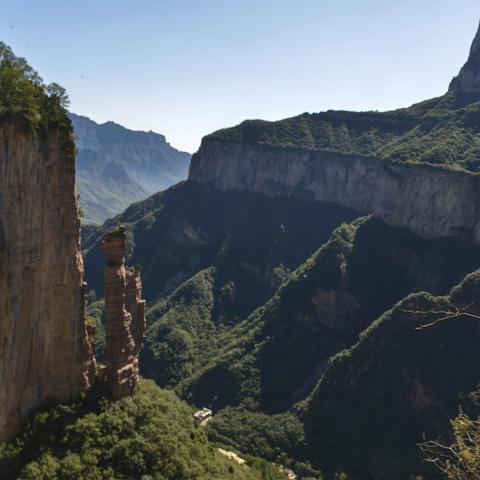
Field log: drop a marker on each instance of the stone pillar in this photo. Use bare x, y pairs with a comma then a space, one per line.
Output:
125, 317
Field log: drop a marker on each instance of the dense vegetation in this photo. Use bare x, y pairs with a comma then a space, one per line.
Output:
234, 249
249, 324
149, 436
461, 459
25, 99
290, 332
441, 131
273, 358
278, 438
253, 241
397, 386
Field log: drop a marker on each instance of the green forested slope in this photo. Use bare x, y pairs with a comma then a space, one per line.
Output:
397, 386
252, 240
294, 321
254, 317
150, 436
441, 131
274, 357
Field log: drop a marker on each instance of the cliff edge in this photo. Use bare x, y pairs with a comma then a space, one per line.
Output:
468, 80
416, 167
45, 353
430, 201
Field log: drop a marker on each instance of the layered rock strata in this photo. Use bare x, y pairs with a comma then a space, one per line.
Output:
125, 317
44, 349
431, 201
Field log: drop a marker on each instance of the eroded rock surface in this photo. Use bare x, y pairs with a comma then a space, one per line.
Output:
431, 201
125, 317
44, 348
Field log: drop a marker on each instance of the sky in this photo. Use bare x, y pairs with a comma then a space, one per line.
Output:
185, 68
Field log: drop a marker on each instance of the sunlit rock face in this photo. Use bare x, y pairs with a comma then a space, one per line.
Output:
125, 317
468, 80
44, 349
430, 201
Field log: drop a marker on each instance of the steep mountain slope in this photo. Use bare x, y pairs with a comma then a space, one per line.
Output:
117, 166
252, 240
273, 358
376, 401
45, 351
397, 386
437, 131
415, 167
258, 278
467, 82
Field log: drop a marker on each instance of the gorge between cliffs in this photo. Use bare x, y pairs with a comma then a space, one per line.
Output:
312, 287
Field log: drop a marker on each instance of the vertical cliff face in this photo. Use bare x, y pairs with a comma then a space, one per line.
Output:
44, 348
468, 80
430, 201
125, 318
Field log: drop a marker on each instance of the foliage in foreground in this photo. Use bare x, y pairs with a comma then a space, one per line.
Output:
151, 435
461, 459
25, 98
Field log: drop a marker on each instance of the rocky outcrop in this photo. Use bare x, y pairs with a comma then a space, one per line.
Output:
431, 201
468, 80
125, 317
44, 349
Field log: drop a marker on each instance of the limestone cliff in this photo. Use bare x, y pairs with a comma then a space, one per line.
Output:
468, 80
125, 317
44, 348
431, 201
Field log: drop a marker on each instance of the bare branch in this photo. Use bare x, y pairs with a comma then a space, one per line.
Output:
451, 311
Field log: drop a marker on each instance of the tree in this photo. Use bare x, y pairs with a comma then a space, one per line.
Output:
442, 314
54, 90
460, 460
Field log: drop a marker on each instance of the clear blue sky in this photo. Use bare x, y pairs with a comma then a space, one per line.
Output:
187, 67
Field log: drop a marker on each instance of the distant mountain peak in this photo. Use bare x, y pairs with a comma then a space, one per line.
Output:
468, 79
117, 166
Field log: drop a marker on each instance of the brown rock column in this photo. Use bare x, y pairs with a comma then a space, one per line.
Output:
125, 317
45, 353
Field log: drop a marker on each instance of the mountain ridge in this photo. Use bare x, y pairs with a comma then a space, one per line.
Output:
146, 161
468, 79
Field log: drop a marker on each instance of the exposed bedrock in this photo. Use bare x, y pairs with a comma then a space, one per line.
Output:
44, 349
431, 201
125, 317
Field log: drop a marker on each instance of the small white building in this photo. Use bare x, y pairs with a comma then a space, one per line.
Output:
203, 414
